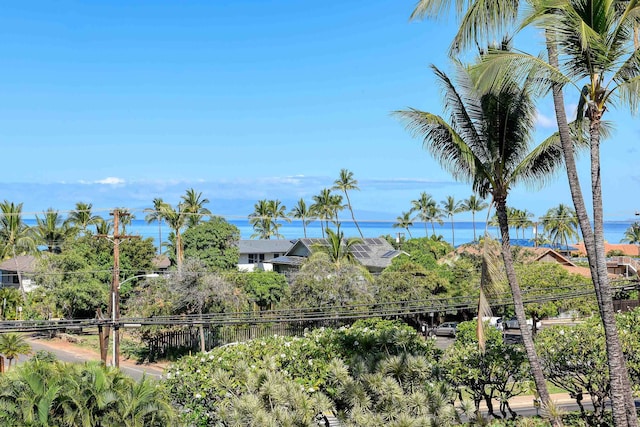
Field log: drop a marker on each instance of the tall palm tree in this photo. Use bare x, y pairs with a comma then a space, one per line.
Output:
450, 207
404, 221
302, 212
13, 345
176, 220
277, 211
561, 224
82, 217
591, 42
632, 234
322, 208
262, 220
52, 231
597, 40
474, 204
126, 219
17, 238
425, 206
486, 142
155, 215
346, 182
193, 206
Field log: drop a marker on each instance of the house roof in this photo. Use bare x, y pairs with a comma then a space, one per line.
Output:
264, 246
371, 252
625, 248
161, 262
22, 263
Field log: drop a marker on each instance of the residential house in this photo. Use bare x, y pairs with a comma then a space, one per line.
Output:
257, 254
374, 254
20, 268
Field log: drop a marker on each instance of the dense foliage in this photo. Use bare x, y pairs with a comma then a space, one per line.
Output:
372, 373
43, 393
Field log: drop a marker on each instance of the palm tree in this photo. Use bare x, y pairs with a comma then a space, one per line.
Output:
474, 204
176, 220
404, 221
632, 234
425, 205
346, 182
194, 206
52, 231
561, 223
103, 227
450, 207
82, 217
126, 218
17, 238
593, 39
487, 143
262, 221
276, 212
322, 208
339, 249
155, 214
13, 345
302, 212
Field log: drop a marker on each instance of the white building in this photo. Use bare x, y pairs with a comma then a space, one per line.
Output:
257, 254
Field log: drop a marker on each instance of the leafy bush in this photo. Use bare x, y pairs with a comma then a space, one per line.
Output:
375, 371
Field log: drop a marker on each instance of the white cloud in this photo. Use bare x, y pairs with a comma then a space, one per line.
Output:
545, 121
111, 180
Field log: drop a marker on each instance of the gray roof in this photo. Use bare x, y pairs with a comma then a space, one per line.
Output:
22, 263
376, 252
288, 260
264, 246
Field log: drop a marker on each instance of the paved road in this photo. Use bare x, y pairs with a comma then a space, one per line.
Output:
69, 353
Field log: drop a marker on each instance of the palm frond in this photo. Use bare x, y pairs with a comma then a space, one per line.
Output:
442, 141
500, 69
484, 21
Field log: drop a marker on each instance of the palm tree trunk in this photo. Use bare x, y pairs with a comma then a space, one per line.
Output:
621, 396
179, 254
621, 390
433, 228
473, 220
352, 216
527, 337
304, 227
453, 235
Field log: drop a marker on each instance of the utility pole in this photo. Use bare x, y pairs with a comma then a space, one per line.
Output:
114, 300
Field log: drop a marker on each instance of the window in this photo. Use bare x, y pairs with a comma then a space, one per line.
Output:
276, 255
256, 258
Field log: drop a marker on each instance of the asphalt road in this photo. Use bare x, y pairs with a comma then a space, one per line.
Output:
69, 354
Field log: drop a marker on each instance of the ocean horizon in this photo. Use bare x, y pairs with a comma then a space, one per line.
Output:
614, 230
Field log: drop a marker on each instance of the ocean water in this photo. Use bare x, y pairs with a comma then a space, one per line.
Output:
614, 231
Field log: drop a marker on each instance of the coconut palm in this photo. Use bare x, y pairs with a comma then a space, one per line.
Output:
346, 182
155, 215
521, 220
486, 142
82, 217
277, 211
15, 236
103, 227
302, 212
474, 204
404, 221
590, 41
194, 206
425, 205
125, 219
176, 220
322, 208
52, 231
449, 208
338, 248
13, 345
561, 224
632, 234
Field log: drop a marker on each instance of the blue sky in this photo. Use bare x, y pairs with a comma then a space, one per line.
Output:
116, 103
